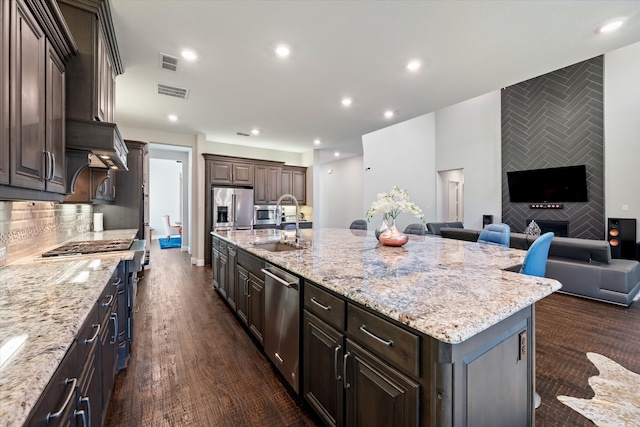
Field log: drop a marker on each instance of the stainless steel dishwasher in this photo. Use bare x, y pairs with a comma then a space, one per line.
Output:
282, 311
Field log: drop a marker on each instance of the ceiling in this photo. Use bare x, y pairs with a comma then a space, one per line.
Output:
340, 48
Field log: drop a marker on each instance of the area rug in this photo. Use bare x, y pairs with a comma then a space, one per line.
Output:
617, 395
174, 242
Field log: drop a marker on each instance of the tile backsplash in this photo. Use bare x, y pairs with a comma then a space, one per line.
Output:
27, 228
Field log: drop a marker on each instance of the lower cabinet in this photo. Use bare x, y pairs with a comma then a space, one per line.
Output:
223, 286
245, 287
79, 391
232, 274
256, 307
242, 300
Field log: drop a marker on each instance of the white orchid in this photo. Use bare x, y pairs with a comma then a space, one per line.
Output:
390, 205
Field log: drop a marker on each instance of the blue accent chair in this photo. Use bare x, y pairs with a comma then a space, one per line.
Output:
358, 224
535, 262
497, 234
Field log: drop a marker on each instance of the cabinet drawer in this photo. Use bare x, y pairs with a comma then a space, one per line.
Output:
324, 305
88, 335
107, 298
400, 347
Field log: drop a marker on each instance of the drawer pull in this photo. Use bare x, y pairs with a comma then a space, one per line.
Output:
322, 306
335, 362
88, 402
93, 338
114, 317
108, 303
72, 390
117, 282
363, 328
81, 414
345, 384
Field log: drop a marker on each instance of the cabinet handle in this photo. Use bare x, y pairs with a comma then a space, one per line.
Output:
88, 402
246, 287
322, 306
345, 384
81, 414
113, 191
114, 317
335, 362
108, 303
53, 165
73, 382
385, 342
93, 338
117, 282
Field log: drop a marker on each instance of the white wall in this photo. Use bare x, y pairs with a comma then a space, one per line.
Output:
164, 193
340, 193
401, 155
468, 136
622, 133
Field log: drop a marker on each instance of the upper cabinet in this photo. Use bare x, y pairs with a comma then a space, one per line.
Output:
231, 172
91, 82
34, 48
266, 189
294, 181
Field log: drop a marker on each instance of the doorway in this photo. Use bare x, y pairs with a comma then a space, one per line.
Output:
451, 188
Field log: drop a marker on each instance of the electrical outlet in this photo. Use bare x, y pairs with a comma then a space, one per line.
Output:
625, 207
3, 253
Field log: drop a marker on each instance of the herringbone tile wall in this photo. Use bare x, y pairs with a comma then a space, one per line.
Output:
551, 121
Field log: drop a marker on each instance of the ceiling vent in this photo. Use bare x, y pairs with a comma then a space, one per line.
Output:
168, 62
242, 134
176, 92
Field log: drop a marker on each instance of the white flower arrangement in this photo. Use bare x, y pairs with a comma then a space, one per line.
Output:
391, 205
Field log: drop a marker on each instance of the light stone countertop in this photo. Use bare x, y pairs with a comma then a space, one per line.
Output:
448, 289
48, 300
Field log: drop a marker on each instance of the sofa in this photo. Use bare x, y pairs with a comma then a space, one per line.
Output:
584, 267
434, 227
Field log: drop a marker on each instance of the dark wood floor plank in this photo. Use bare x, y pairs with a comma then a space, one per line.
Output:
193, 364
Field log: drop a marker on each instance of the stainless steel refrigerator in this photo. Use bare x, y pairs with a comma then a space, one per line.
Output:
232, 208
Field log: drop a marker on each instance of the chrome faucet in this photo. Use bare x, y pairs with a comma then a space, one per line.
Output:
278, 219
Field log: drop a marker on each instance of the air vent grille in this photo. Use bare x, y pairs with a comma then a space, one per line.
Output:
242, 134
168, 62
176, 92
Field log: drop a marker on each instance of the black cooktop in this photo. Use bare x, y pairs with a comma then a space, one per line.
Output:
90, 247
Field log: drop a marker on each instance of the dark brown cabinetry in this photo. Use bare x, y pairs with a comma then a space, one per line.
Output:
231, 172
266, 189
256, 307
223, 285
95, 186
91, 88
294, 181
242, 299
232, 276
34, 47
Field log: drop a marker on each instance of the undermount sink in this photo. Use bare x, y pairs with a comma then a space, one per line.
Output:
276, 247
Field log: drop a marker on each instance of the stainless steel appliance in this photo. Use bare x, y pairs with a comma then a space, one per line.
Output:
281, 334
265, 214
232, 208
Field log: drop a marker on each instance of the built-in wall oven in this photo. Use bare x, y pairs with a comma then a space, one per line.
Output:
265, 214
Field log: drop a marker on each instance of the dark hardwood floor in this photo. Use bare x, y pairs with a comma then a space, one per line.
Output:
193, 364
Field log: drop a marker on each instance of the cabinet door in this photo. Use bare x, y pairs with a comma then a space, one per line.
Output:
222, 275
260, 192
377, 394
286, 182
323, 350
27, 101
220, 172
109, 349
273, 184
242, 173
215, 263
299, 186
242, 299
5, 27
89, 407
55, 142
256, 307
231, 277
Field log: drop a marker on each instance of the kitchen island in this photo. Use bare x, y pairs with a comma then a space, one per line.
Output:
44, 302
469, 358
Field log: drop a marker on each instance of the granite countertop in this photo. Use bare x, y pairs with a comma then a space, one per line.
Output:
448, 289
46, 301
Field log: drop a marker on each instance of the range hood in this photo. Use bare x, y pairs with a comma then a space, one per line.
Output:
101, 139
93, 144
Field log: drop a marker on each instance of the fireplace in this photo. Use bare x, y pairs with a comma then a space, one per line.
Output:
559, 228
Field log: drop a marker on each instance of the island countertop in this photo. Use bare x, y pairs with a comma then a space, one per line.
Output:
447, 289
46, 301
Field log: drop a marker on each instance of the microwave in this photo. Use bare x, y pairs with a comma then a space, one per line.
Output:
265, 214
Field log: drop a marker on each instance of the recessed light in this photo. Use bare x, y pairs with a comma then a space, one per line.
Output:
413, 65
611, 26
317, 141
189, 55
346, 101
388, 114
282, 51
255, 132
173, 117
337, 154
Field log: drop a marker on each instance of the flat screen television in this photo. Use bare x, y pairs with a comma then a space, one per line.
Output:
552, 185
